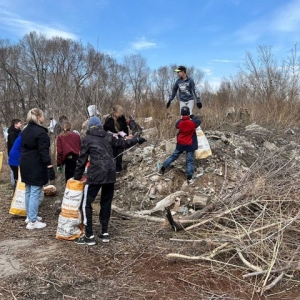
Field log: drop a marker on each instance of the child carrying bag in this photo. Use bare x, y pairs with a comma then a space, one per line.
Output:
203, 150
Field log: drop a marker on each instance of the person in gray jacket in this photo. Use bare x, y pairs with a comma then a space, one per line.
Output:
187, 90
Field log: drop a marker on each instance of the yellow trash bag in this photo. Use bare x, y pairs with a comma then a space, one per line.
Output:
203, 150
17, 206
70, 224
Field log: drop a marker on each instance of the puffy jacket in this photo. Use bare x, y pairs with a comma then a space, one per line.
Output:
98, 147
66, 144
15, 152
187, 138
35, 155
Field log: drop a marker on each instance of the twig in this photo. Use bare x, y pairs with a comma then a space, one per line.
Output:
181, 256
220, 215
131, 263
247, 263
273, 283
13, 295
50, 281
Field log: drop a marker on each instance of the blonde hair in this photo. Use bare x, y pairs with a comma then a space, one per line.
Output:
33, 115
116, 109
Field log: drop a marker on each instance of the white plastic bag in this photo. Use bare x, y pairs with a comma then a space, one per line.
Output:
203, 150
93, 111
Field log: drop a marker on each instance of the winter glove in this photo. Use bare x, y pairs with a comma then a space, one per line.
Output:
51, 174
140, 140
168, 104
199, 105
59, 169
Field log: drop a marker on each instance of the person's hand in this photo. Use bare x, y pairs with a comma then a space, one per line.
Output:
199, 105
59, 169
122, 134
141, 140
168, 104
51, 173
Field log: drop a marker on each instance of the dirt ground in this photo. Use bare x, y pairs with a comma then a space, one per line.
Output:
133, 265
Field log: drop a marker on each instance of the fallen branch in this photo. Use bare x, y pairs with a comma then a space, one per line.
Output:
220, 215
135, 215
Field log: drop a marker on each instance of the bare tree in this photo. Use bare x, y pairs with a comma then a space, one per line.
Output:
137, 75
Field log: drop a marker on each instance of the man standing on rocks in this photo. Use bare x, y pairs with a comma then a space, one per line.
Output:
187, 90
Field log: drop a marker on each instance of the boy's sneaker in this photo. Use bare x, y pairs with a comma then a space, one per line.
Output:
35, 225
190, 181
104, 237
85, 240
38, 219
162, 171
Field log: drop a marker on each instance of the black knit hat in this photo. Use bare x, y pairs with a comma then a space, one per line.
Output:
185, 111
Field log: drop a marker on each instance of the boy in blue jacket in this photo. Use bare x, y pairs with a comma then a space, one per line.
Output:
186, 141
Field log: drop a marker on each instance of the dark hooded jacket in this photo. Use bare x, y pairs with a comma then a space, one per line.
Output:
13, 133
98, 147
35, 155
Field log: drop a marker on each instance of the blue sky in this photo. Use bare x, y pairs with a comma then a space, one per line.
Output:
212, 35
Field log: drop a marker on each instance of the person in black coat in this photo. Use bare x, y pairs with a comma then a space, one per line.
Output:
116, 123
13, 132
35, 164
98, 147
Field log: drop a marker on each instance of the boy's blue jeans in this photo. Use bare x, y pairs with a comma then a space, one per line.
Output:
189, 161
32, 201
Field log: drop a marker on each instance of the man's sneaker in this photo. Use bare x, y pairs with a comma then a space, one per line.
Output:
38, 218
104, 237
35, 225
162, 170
85, 240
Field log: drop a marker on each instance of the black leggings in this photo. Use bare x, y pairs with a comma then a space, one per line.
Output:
70, 166
15, 171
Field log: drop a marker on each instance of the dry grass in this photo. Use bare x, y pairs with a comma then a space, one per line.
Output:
272, 114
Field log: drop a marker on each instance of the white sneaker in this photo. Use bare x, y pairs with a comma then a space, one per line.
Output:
35, 225
38, 218
190, 181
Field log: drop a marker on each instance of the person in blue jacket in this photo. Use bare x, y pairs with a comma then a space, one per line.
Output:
14, 157
186, 142
187, 90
